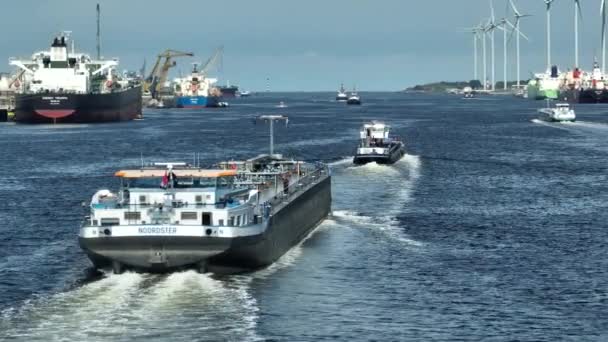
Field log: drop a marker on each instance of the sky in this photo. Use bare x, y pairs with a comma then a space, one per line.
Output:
303, 45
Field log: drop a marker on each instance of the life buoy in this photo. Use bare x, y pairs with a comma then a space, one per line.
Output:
17, 84
233, 166
108, 83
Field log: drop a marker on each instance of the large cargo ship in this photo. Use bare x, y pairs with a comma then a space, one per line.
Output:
545, 86
584, 87
229, 90
196, 91
61, 86
240, 216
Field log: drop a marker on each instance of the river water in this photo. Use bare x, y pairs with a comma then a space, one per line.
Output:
492, 227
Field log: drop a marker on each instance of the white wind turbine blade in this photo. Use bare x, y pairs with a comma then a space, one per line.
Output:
514, 29
517, 14
580, 10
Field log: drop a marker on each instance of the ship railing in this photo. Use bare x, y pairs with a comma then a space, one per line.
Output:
168, 206
299, 184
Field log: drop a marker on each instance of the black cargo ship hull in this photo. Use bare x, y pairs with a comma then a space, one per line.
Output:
288, 225
229, 91
54, 107
584, 95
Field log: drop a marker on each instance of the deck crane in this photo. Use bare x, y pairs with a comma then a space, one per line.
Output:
158, 75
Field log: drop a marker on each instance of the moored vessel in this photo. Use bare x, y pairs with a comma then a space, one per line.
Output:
240, 216
545, 85
61, 86
377, 145
196, 90
228, 90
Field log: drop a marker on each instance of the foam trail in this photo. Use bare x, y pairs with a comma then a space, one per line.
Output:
371, 195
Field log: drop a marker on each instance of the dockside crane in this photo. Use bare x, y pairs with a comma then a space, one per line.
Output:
158, 74
215, 59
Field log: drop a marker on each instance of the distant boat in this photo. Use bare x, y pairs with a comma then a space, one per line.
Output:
467, 93
341, 97
560, 113
281, 105
354, 98
244, 93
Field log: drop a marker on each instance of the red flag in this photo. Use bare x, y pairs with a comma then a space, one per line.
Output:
165, 180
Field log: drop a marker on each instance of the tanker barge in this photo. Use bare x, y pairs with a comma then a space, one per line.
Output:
242, 215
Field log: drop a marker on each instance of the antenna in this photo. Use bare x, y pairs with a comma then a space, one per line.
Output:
141, 156
98, 35
272, 119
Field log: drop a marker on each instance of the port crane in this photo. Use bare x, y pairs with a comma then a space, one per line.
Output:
215, 59
158, 74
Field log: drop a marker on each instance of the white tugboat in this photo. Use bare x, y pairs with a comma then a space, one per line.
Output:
562, 112
342, 96
353, 98
240, 216
376, 145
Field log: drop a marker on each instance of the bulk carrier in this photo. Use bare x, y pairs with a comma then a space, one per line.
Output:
196, 90
61, 86
239, 216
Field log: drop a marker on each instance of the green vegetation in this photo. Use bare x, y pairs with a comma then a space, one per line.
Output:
445, 86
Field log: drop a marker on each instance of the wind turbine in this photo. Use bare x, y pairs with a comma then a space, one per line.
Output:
491, 28
475, 31
603, 11
548, 3
577, 13
503, 26
518, 17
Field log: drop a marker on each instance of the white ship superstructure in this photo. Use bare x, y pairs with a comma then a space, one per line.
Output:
60, 70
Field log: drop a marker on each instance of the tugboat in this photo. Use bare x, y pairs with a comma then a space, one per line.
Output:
354, 98
341, 97
240, 216
61, 86
196, 91
376, 145
560, 113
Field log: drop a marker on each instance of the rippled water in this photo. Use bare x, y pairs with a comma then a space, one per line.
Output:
492, 227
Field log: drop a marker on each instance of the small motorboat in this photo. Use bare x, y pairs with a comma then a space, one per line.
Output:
467, 93
281, 105
562, 112
244, 93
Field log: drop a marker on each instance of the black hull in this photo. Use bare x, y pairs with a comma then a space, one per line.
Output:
229, 91
395, 155
287, 227
353, 102
584, 96
78, 108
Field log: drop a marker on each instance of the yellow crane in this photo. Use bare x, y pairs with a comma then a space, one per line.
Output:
158, 74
